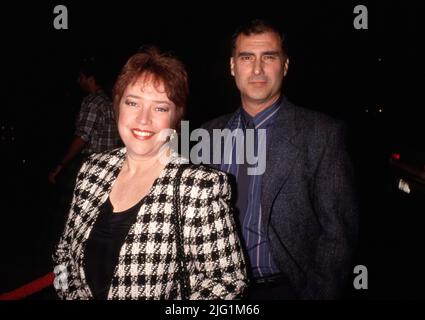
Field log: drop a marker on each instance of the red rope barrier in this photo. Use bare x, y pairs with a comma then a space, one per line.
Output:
29, 288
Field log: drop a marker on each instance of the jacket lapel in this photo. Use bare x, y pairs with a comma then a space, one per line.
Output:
282, 154
225, 123
105, 174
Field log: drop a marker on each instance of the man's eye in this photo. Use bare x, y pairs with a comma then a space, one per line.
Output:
269, 57
246, 58
130, 103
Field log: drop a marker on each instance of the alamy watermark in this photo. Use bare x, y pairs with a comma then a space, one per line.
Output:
361, 280
361, 19
61, 19
224, 146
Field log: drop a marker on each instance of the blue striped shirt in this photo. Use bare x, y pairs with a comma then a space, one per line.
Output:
249, 187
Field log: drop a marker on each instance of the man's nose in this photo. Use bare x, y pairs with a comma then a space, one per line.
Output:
258, 66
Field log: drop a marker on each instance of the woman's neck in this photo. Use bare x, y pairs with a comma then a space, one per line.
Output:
141, 165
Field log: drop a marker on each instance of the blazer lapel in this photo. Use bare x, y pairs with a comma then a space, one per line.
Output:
282, 153
105, 174
225, 123
281, 156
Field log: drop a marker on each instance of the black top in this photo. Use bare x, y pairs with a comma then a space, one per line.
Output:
104, 244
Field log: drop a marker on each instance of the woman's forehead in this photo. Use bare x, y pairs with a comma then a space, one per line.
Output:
148, 84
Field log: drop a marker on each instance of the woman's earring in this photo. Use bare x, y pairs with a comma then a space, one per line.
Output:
173, 135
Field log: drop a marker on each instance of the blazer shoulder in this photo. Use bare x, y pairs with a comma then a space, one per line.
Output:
317, 117
97, 163
207, 178
206, 172
100, 157
310, 121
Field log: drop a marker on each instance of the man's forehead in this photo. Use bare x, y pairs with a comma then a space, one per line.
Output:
269, 41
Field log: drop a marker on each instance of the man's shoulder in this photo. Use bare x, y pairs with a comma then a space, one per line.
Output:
312, 118
97, 98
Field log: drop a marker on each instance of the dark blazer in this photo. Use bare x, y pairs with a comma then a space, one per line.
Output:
308, 200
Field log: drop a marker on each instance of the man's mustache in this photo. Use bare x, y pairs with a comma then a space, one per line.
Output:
258, 79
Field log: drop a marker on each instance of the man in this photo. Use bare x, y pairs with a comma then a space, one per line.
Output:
96, 129
299, 218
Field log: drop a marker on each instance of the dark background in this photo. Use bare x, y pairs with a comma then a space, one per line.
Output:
347, 73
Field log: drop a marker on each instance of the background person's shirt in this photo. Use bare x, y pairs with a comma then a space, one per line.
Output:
96, 124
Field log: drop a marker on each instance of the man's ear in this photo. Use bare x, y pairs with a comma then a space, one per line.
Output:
285, 67
232, 66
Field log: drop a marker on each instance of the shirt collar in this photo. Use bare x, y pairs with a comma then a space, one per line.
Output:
264, 117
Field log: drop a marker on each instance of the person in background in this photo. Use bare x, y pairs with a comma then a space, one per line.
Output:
96, 129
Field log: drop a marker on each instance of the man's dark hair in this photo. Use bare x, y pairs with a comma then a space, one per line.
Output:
89, 67
94, 67
257, 26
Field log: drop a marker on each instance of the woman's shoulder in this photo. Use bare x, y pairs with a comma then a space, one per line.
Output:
99, 163
205, 180
204, 172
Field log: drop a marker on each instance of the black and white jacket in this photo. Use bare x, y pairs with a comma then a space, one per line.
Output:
147, 266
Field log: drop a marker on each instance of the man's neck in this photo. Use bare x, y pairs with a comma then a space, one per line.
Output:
94, 88
254, 108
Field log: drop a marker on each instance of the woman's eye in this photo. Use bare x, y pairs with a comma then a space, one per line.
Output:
162, 109
131, 103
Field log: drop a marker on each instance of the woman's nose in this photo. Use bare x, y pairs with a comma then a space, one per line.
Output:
144, 116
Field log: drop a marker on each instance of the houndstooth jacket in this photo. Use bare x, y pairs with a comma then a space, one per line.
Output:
147, 267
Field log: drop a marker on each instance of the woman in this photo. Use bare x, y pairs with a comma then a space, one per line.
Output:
135, 230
